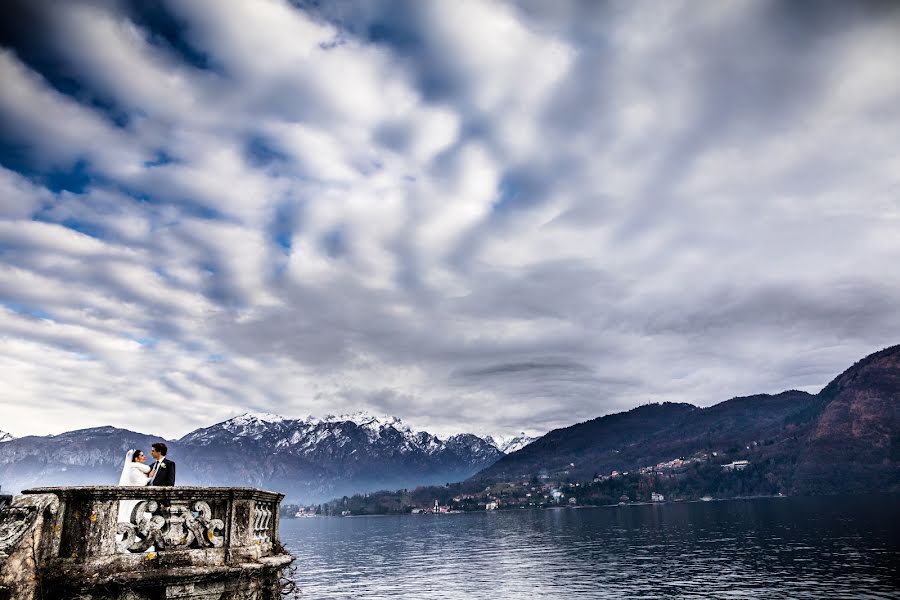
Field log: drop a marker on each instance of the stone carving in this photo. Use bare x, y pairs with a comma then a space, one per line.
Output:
262, 518
16, 522
176, 526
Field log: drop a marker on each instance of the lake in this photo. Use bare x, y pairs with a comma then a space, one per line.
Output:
823, 547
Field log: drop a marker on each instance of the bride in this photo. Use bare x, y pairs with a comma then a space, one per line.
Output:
134, 473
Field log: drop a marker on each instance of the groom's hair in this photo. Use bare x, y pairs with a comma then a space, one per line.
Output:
160, 447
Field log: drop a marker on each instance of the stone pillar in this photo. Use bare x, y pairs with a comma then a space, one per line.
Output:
29, 535
241, 543
90, 527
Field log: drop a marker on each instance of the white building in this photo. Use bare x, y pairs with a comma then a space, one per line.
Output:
738, 465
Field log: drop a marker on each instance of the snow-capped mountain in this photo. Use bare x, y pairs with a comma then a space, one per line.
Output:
335, 455
254, 426
364, 419
5, 437
510, 444
309, 459
266, 425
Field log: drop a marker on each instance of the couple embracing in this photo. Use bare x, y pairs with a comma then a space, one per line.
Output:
135, 471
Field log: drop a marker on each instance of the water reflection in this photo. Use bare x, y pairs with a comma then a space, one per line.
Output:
764, 548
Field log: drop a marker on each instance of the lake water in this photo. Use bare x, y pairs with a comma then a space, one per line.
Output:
826, 547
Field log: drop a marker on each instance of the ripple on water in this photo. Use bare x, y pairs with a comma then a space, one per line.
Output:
785, 548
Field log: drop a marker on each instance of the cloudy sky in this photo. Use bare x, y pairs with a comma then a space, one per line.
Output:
476, 215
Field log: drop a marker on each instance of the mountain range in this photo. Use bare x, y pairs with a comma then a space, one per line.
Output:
845, 438
308, 459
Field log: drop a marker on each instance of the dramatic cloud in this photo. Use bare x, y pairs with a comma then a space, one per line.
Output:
476, 215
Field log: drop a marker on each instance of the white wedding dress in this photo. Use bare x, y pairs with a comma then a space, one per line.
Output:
133, 474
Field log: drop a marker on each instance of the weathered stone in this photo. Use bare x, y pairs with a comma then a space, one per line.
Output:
180, 542
26, 529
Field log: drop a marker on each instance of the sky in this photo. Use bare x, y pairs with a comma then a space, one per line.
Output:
479, 216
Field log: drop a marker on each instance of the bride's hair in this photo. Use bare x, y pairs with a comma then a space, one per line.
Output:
137, 454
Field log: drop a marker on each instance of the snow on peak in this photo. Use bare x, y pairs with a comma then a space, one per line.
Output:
5, 437
311, 431
510, 444
247, 424
249, 417
365, 419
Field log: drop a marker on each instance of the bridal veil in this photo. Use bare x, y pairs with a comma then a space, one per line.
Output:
123, 479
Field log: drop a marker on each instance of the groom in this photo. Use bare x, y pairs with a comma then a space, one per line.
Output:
163, 471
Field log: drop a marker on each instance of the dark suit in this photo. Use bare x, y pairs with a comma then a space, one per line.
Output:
165, 474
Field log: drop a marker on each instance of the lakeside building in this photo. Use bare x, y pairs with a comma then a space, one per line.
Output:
738, 465
657, 497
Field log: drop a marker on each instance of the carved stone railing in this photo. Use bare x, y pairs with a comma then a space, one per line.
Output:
176, 526
174, 537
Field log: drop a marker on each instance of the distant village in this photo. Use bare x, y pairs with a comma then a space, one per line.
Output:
703, 476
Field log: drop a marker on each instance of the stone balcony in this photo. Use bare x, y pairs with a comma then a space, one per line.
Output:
173, 542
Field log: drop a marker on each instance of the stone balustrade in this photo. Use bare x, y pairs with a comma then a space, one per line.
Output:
190, 542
